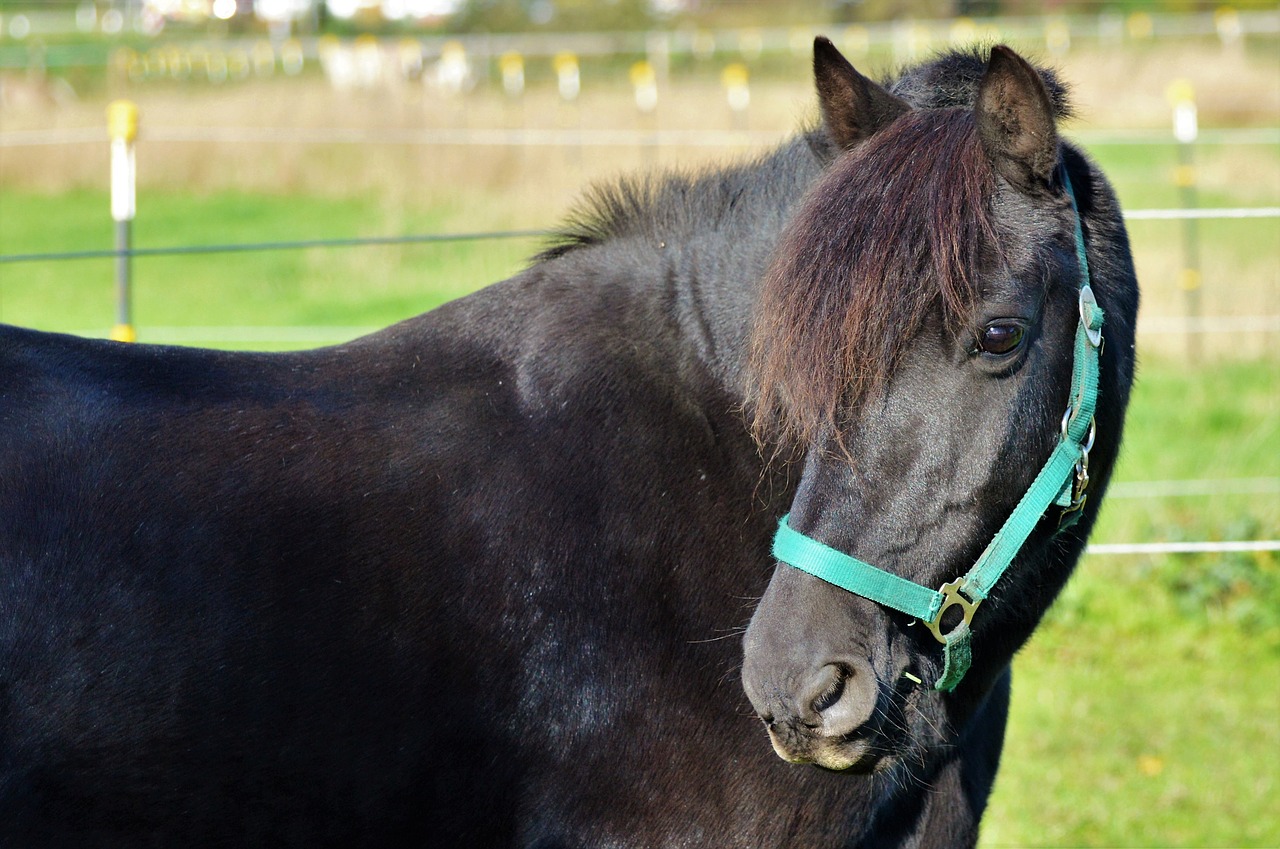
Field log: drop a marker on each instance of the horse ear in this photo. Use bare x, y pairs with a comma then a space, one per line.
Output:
853, 107
1015, 121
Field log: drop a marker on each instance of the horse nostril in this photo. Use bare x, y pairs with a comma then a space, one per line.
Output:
831, 679
840, 697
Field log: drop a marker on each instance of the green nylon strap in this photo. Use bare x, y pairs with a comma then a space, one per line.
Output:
1084, 369
1082, 259
1004, 546
856, 576
956, 657
1052, 485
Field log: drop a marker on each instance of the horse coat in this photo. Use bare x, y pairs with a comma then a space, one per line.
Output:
478, 579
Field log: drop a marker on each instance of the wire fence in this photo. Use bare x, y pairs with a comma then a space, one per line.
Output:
252, 247
1228, 547
1155, 325
427, 238
317, 334
1192, 488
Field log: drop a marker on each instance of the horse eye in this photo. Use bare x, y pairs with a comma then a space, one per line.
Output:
1000, 338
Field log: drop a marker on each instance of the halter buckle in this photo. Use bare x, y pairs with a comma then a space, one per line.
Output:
1088, 303
951, 598
1070, 515
1080, 478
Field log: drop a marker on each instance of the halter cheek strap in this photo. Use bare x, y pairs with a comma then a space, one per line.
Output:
1062, 481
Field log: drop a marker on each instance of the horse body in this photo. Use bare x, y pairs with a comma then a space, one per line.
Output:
476, 579
407, 588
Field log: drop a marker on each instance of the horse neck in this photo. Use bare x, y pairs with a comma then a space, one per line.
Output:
708, 277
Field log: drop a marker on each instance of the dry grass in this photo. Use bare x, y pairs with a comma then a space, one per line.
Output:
1234, 88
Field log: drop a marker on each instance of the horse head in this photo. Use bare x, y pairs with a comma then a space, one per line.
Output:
914, 351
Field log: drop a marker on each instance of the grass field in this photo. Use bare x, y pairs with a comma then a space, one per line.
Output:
346, 289
1147, 709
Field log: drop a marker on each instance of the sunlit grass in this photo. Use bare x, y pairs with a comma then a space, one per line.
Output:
1145, 707
343, 288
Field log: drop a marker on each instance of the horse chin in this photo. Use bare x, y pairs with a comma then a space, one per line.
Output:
868, 761
855, 757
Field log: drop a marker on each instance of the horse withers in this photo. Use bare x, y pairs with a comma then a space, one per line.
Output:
480, 579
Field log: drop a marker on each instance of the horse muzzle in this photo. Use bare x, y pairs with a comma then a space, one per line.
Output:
829, 720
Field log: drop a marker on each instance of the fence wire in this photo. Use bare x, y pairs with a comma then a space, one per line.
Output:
1226, 547
427, 238
249, 247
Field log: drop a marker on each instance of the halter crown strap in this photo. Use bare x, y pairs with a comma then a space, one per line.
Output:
1062, 481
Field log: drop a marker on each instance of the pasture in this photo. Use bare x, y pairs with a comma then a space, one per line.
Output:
1144, 710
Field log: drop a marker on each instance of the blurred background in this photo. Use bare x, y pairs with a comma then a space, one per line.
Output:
309, 171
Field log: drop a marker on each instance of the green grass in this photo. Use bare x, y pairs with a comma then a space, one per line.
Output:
1145, 709
1227, 175
342, 288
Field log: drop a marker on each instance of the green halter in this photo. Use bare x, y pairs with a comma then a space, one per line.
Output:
1062, 482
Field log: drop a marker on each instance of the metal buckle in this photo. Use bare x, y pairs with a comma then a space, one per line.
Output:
1087, 298
953, 597
1082, 465
1080, 480
1081, 483
1070, 515
1079, 495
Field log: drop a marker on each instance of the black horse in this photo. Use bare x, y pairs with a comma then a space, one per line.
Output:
480, 579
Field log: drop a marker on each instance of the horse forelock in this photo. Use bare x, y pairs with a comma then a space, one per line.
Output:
895, 232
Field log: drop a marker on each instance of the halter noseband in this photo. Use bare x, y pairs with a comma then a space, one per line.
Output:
1062, 481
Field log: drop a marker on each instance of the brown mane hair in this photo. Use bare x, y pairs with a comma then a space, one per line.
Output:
895, 230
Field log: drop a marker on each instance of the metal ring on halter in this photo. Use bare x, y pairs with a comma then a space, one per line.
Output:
1088, 440
1089, 437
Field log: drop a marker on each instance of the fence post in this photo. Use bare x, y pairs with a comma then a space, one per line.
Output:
645, 82
122, 127
1185, 130
569, 84
735, 80
512, 66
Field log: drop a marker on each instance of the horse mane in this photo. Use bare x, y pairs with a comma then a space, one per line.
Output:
676, 204
893, 233
670, 204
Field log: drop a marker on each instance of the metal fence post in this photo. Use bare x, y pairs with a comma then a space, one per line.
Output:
122, 127
1185, 130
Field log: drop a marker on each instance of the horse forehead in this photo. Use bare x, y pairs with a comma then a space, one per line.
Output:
1026, 227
